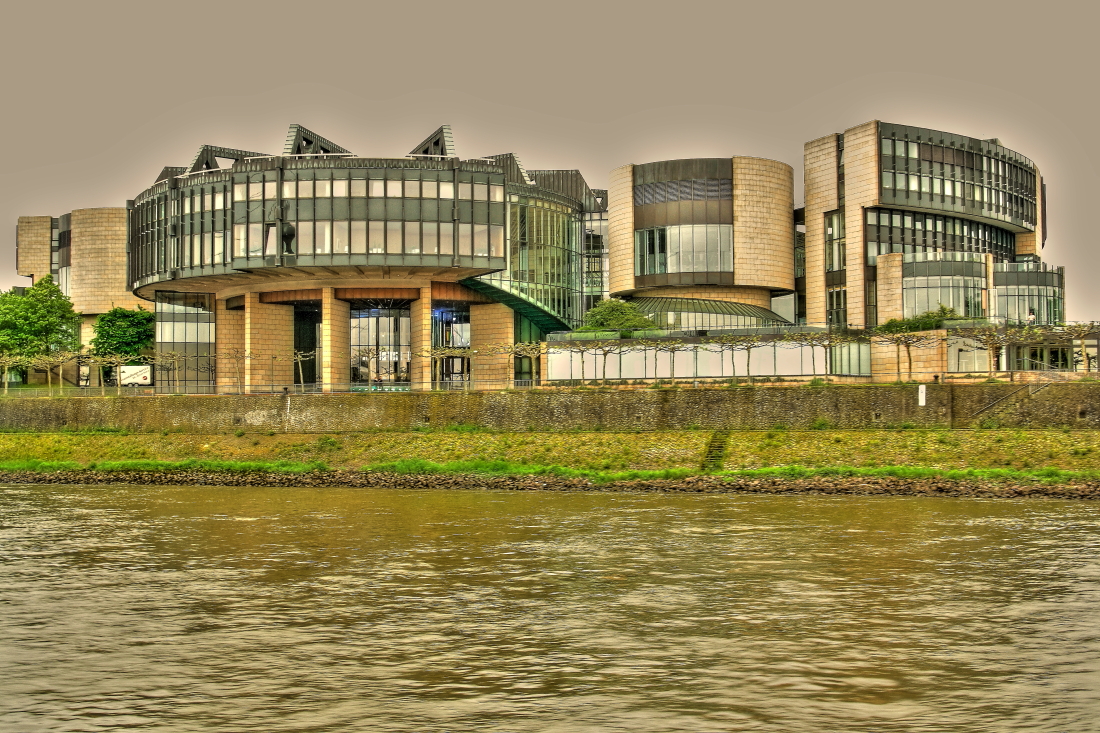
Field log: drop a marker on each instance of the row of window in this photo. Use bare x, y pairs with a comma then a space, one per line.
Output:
683, 248
923, 294
890, 230
904, 154
356, 188
943, 190
699, 189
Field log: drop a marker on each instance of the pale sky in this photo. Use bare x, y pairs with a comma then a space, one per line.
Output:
100, 96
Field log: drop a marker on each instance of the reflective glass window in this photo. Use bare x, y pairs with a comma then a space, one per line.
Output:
290, 189
255, 240
358, 187
305, 237
339, 187
393, 237
358, 236
412, 189
446, 190
322, 189
377, 187
269, 190
256, 191
496, 192
322, 237
240, 192
376, 236
240, 240
465, 191
430, 189
481, 192
496, 241
340, 238
412, 237
465, 239
305, 189
481, 240
430, 231
394, 188
446, 238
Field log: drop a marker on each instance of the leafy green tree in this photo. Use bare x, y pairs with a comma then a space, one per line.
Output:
615, 315
124, 332
929, 321
40, 321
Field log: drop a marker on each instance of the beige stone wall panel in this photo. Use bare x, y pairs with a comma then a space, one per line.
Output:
32, 241
421, 325
763, 223
335, 340
620, 229
228, 336
861, 191
97, 281
269, 337
888, 287
491, 325
819, 161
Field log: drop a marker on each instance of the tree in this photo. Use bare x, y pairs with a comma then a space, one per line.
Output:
9, 362
732, 343
124, 331
41, 321
605, 349
813, 340
300, 357
990, 338
907, 339
613, 314
671, 347
169, 361
1081, 332
237, 357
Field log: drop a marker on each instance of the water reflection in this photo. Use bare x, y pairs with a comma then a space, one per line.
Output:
184, 608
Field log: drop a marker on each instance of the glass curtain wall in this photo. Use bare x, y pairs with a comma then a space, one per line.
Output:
381, 342
595, 258
683, 248
544, 256
185, 328
938, 170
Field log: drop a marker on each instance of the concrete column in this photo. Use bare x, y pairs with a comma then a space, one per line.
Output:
268, 332
228, 335
491, 324
421, 322
335, 341
888, 287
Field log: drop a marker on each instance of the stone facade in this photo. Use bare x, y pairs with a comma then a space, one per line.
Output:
97, 282
620, 228
32, 243
821, 196
861, 191
491, 325
763, 225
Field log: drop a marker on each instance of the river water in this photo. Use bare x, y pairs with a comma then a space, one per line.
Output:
230, 609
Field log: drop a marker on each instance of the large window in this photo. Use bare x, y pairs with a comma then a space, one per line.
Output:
381, 342
923, 294
891, 230
683, 248
835, 241
185, 328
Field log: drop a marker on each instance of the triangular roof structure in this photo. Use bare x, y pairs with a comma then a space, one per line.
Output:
513, 169
206, 158
170, 171
303, 141
440, 142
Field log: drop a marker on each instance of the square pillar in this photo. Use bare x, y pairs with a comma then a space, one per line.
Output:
491, 324
335, 341
228, 335
268, 333
421, 324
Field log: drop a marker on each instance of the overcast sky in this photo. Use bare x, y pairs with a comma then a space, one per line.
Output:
99, 96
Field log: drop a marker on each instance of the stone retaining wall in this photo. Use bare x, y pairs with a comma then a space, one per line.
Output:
1074, 405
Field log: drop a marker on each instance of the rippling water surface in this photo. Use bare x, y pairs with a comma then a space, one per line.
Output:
213, 609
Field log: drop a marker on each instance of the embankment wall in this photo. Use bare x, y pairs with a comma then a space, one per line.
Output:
849, 407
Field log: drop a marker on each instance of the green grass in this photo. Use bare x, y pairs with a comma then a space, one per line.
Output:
189, 464
1045, 475
508, 468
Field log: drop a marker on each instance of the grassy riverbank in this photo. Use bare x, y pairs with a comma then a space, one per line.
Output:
679, 453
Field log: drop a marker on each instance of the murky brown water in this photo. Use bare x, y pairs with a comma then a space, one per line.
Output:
205, 609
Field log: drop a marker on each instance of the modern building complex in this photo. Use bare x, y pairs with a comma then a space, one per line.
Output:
320, 266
